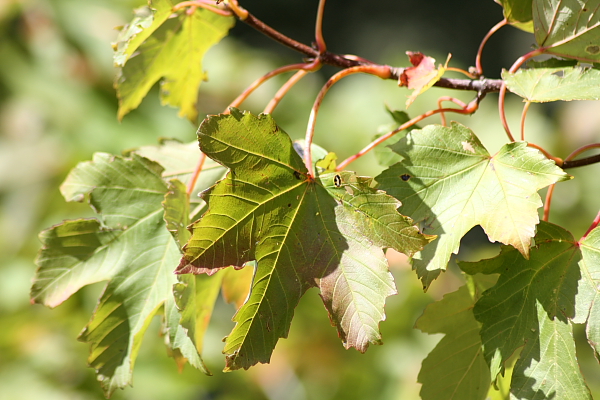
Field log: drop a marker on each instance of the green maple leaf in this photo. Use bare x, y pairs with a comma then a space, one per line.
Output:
568, 28
552, 84
518, 13
534, 303
448, 182
455, 368
129, 246
172, 51
327, 232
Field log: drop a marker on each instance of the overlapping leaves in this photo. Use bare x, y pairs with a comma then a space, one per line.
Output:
568, 28
448, 182
128, 246
455, 368
534, 303
302, 232
572, 82
167, 47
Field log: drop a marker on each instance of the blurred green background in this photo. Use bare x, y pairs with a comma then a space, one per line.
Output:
58, 107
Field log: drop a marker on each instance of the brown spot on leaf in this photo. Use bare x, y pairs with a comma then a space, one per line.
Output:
593, 49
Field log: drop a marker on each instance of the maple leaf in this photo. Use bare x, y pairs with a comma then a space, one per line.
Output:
568, 28
534, 303
448, 182
327, 232
130, 247
455, 368
170, 48
422, 75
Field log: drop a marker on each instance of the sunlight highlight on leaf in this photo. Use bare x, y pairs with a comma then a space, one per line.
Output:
302, 233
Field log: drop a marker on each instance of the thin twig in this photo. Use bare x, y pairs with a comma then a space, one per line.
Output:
502, 93
592, 227
319, 40
471, 108
207, 5
557, 161
570, 163
341, 61
256, 84
196, 174
380, 71
523, 116
452, 99
494, 29
284, 89
548, 202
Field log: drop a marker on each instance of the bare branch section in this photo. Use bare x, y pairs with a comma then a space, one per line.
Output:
480, 85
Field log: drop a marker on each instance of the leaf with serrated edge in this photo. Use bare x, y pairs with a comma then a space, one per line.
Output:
129, 246
552, 84
301, 232
448, 182
145, 21
518, 13
547, 367
590, 269
455, 368
554, 277
172, 54
568, 28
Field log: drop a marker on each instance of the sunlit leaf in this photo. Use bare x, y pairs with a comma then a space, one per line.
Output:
568, 28
534, 303
448, 183
173, 54
145, 21
455, 369
422, 75
518, 13
329, 232
552, 84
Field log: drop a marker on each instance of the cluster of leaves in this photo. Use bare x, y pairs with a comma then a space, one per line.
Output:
284, 231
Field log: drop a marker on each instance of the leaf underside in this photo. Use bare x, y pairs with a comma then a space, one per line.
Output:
328, 232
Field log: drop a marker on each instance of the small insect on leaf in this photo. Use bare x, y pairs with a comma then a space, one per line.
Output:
405, 177
337, 181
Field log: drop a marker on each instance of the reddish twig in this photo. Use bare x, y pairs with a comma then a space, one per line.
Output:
502, 93
256, 84
557, 161
239, 11
207, 5
196, 174
452, 99
462, 71
284, 89
341, 61
523, 116
381, 71
494, 29
548, 202
592, 227
469, 109
319, 40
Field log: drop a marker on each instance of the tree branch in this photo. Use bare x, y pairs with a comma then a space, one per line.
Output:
480, 85
581, 162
